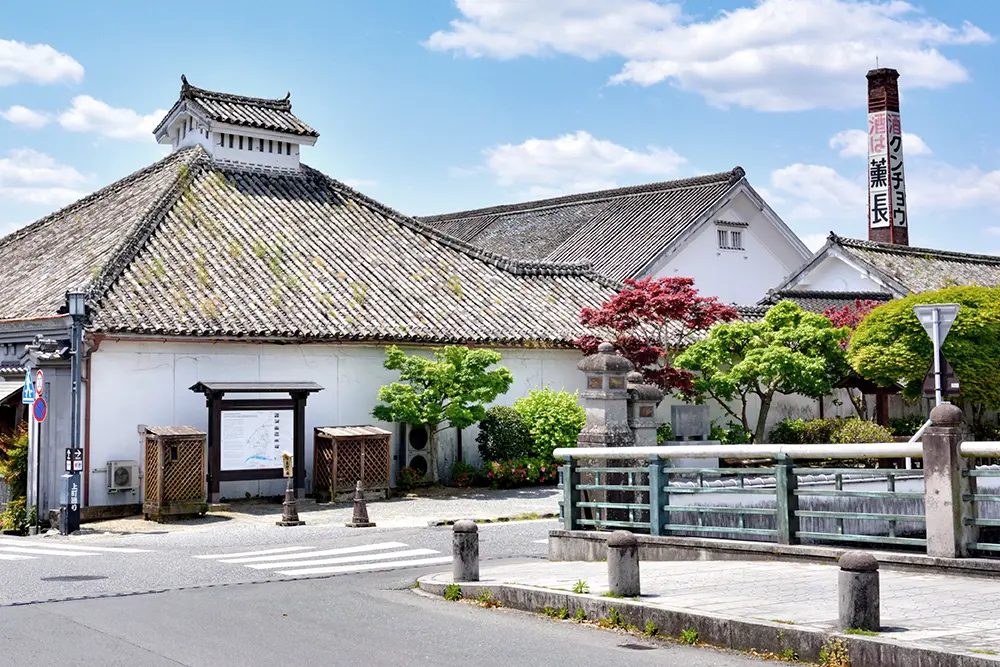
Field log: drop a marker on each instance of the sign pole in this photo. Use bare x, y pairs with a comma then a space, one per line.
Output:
937, 356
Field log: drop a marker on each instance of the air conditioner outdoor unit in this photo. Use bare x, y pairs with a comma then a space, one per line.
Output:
123, 476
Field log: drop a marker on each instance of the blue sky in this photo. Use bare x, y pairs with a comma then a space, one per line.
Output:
442, 105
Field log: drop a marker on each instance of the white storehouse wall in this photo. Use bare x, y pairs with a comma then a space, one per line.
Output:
149, 383
735, 276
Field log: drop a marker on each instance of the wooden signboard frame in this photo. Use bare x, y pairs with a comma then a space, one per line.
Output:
215, 392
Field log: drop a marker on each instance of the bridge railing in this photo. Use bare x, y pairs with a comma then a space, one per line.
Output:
781, 500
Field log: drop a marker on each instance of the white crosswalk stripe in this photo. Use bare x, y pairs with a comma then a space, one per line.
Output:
304, 561
13, 548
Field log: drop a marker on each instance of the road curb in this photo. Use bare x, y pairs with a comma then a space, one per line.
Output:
739, 634
502, 519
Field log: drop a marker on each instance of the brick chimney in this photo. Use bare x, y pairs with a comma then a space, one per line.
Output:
887, 220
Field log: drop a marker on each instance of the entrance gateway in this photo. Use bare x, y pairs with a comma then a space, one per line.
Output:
246, 436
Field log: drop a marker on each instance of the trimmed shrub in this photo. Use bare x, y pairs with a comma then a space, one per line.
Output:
788, 432
521, 472
464, 475
730, 434
852, 431
664, 433
820, 431
503, 435
906, 426
554, 419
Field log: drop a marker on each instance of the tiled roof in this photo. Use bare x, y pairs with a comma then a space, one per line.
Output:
618, 231
818, 302
70, 247
923, 269
264, 114
227, 253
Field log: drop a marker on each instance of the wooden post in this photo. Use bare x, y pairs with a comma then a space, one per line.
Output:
787, 503
656, 495
299, 445
161, 492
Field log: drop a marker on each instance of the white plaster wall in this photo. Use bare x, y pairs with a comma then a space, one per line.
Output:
245, 156
735, 276
149, 383
833, 274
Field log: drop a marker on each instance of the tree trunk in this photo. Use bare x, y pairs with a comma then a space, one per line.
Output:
860, 402
765, 407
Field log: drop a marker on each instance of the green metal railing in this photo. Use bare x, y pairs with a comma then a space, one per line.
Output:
655, 499
976, 499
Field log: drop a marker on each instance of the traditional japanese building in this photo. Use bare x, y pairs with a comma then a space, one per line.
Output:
715, 229
232, 260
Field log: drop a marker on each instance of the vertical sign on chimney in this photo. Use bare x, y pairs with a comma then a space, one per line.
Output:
887, 219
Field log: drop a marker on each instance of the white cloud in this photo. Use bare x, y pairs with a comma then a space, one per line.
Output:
814, 241
944, 202
776, 55
35, 63
576, 162
854, 143
30, 177
24, 116
92, 115
817, 192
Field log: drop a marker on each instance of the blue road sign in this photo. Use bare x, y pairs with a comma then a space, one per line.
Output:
39, 409
28, 392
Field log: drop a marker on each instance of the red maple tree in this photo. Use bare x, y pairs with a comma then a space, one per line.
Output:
850, 315
651, 321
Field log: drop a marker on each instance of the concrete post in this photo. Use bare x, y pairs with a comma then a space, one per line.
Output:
859, 592
465, 551
945, 486
623, 564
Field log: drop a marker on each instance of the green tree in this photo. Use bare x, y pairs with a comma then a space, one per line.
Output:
554, 419
451, 388
789, 351
891, 346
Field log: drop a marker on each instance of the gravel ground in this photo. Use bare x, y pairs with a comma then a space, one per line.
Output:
411, 511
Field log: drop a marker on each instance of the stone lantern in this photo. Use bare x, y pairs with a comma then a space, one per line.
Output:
642, 401
606, 399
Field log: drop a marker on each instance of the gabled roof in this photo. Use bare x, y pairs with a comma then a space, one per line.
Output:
264, 114
620, 232
819, 302
188, 247
906, 269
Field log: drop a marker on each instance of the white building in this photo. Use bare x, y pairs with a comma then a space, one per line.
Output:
229, 260
715, 229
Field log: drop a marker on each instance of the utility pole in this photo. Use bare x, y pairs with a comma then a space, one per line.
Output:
70, 497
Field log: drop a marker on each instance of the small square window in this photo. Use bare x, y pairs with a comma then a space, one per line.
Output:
723, 238
736, 240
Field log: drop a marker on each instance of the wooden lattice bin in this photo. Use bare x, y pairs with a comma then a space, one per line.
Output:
175, 483
342, 455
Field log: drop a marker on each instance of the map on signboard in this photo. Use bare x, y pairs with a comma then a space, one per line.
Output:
255, 439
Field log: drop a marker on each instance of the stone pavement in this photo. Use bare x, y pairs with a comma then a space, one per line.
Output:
943, 612
411, 511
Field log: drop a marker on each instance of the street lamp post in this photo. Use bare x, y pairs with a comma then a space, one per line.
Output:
69, 514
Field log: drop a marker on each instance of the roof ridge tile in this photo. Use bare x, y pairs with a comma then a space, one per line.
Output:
732, 176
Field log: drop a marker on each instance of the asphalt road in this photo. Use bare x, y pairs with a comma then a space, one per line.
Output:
156, 600
368, 619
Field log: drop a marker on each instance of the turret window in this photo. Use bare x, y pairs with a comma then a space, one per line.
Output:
241, 142
231, 141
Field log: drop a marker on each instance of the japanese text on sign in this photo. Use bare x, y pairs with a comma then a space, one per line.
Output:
886, 187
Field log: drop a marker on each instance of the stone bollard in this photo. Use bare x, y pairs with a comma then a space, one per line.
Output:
465, 553
623, 564
859, 592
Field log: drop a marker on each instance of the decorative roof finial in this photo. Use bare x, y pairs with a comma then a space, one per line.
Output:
185, 86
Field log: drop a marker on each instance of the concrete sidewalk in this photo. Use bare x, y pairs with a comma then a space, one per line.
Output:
927, 619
